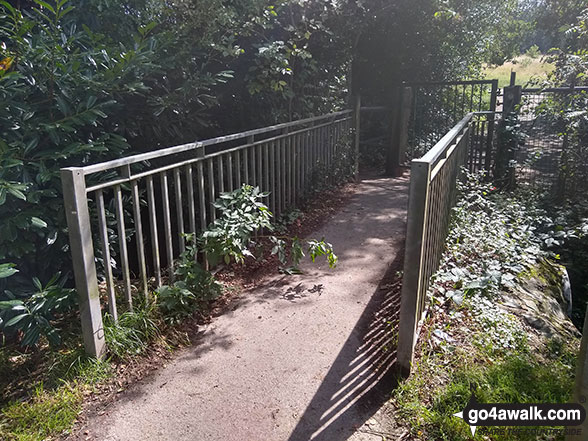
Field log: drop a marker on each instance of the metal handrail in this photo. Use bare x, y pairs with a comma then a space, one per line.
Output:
134, 159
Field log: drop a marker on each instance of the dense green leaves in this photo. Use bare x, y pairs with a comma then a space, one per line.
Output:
32, 316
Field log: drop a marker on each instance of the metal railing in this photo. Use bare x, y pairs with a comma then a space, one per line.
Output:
163, 194
432, 195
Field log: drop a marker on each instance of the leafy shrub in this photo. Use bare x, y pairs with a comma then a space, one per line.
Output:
58, 93
533, 51
242, 214
230, 237
33, 315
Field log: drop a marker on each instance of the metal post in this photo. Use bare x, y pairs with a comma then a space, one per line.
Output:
490, 139
356, 131
413, 263
84, 265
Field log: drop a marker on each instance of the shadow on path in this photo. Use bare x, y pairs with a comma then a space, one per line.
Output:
364, 372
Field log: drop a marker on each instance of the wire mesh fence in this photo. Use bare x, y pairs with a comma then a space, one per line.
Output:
438, 106
552, 155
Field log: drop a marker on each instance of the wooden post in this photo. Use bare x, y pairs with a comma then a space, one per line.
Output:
413, 263
401, 109
512, 98
405, 114
581, 388
392, 152
84, 265
513, 78
356, 131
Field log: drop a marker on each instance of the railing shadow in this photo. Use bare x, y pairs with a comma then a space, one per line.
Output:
363, 374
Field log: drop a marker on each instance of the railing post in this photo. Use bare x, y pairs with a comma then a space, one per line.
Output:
413, 267
356, 131
84, 265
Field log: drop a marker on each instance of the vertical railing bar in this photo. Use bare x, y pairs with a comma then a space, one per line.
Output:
283, 183
278, 178
238, 161
201, 194
221, 174
103, 226
211, 190
471, 109
154, 232
82, 252
246, 165
230, 171
415, 256
122, 242
290, 147
139, 238
180, 210
191, 200
272, 198
303, 160
258, 160
169, 247
295, 175
266, 167
490, 139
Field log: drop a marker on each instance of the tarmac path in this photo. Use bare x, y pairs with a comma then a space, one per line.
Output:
298, 358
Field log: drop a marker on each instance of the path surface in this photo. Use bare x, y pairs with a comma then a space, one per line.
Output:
290, 361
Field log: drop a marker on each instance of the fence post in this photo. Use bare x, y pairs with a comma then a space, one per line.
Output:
581, 387
401, 110
412, 277
84, 265
404, 121
490, 139
356, 132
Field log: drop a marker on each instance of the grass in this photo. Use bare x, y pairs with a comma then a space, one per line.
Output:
527, 69
443, 382
46, 414
132, 333
43, 390
48, 411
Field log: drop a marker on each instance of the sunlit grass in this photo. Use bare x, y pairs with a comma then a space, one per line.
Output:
527, 69
47, 413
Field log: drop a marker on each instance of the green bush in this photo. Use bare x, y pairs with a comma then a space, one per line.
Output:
62, 94
243, 213
33, 315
